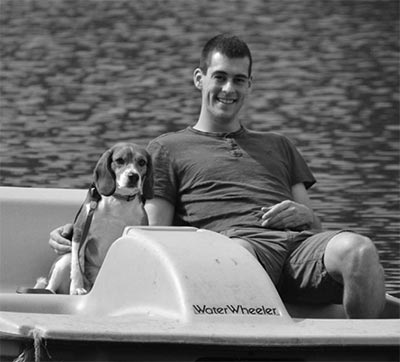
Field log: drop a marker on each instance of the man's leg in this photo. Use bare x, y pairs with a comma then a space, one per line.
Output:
246, 245
270, 254
353, 260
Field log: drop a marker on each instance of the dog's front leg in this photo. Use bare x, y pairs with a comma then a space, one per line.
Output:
59, 278
77, 268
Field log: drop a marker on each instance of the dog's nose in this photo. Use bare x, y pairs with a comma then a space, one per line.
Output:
133, 177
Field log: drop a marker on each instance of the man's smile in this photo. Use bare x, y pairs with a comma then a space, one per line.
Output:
226, 100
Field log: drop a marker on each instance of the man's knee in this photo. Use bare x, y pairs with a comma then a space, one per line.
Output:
354, 261
349, 252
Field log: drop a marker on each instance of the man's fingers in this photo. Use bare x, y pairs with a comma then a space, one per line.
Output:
59, 236
59, 246
59, 239
61, 249
280, 221
270, 212
66, 231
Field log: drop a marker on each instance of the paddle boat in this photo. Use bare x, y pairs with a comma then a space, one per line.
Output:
164, 293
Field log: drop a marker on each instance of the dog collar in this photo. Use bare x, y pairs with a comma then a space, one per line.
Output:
125, 197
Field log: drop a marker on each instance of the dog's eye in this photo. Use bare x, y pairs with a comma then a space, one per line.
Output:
119, 161
142, 163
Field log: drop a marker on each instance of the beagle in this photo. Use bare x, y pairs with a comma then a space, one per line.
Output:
123, 180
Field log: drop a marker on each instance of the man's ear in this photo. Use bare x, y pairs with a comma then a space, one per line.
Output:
250, 82
198, 78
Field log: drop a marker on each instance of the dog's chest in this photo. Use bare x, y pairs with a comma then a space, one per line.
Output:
109, 221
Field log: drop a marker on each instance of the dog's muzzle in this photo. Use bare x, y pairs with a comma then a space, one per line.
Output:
133, 180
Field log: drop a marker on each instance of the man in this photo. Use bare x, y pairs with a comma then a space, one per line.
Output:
251, 187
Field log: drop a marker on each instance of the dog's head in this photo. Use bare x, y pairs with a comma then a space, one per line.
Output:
126, 169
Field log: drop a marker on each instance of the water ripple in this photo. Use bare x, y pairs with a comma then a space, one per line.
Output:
78, 76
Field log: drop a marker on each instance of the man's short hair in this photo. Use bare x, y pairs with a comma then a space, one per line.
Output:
228, 45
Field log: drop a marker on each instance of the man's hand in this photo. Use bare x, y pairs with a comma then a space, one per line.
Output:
60, 239
287, 215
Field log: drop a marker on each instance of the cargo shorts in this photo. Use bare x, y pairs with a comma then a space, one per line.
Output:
295, 262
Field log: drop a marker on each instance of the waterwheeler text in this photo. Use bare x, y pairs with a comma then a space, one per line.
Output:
235, 309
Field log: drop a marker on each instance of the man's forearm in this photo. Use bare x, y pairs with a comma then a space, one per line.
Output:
160, 212
316, 222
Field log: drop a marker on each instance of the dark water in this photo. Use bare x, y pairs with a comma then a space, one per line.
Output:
77, 76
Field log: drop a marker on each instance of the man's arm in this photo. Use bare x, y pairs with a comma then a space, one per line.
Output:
296, 214
300, 195
160, 212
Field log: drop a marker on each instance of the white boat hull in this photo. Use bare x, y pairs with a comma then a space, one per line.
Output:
190, 292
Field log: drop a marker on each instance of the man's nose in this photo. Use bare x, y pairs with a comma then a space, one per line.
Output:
228, 86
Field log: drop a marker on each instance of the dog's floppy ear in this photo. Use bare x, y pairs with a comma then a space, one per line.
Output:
148, 179
104, 176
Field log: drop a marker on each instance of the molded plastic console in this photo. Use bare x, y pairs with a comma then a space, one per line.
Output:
177, 273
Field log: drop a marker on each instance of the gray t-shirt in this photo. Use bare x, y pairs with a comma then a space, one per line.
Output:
220, 181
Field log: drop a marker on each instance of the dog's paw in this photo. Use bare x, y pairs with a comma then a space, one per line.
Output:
79, 291
77, 288
41, 283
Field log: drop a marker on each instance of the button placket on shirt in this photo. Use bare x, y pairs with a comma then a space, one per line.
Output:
233, 147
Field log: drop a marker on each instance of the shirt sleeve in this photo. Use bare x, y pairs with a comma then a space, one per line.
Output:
165, 181
299, 170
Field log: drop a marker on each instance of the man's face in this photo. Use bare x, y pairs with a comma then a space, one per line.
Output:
224, 87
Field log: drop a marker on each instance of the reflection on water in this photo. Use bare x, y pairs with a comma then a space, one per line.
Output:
77, 76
